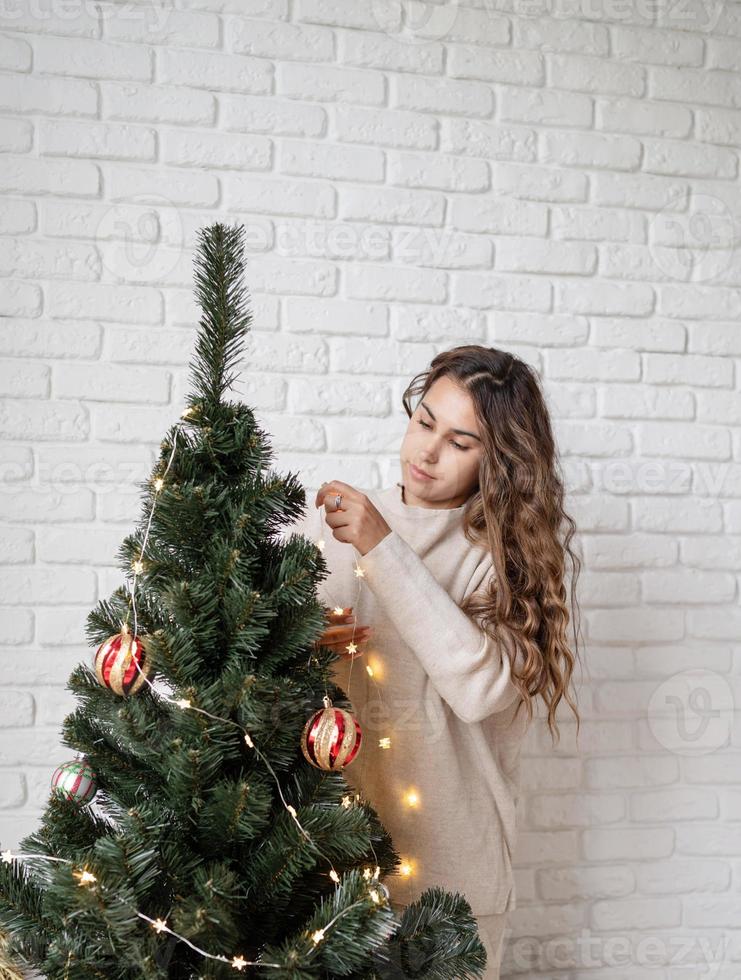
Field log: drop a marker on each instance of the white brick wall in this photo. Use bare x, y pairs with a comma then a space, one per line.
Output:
566, 187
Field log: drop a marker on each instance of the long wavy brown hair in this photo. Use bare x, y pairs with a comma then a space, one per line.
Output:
517, 513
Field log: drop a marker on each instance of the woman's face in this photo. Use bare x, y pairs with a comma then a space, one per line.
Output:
451, 458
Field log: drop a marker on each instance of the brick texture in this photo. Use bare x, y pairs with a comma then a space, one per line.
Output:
411, 176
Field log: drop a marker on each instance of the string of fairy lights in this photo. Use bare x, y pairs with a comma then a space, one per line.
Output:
411, 796
86, 879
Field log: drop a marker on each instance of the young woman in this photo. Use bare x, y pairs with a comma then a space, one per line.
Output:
459, 570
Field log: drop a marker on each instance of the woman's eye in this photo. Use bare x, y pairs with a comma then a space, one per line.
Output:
463, 449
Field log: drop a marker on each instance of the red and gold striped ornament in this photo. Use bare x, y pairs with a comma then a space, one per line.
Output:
331, 738
75, 780
121, 663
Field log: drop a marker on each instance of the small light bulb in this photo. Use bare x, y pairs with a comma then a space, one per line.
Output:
159, 925
159, 483
249, 741
7, 857
384, 743
359, 573
318, 936
334, 876
138, 566
411, 798
406, 869
338, 610
183, 703
239, 963
291, 810
370, 670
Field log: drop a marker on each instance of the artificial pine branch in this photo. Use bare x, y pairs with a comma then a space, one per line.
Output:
8, 970
221, 294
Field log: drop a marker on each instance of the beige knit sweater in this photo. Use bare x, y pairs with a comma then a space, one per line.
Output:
446, 787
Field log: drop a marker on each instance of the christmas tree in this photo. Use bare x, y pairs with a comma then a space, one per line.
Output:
205, 825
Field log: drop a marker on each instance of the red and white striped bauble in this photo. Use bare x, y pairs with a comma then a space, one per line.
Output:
331, 738
75, 780
120, 662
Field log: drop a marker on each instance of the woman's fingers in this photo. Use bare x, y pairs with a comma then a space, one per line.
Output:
336, 615
346, 633
338, 637
343, 630
343, 648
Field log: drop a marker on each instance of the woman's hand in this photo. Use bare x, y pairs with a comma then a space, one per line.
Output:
339, 635
358, 522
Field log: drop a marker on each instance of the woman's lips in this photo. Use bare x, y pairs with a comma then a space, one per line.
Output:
419, 473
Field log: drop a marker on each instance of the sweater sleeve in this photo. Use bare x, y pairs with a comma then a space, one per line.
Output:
469, 669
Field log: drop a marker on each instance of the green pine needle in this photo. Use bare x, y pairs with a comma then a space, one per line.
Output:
221, 294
